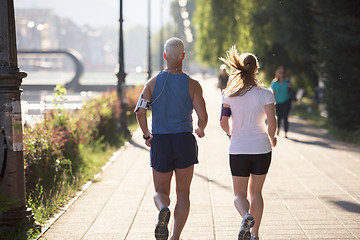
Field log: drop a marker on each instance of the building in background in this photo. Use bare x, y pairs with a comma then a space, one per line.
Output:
41, 29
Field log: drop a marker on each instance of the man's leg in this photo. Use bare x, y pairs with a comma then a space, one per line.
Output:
162, 183
182, 208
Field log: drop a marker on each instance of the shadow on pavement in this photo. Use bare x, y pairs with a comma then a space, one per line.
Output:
304, 129
348, 206
323, 138
138, 145
308, 130
317, 143
212, 181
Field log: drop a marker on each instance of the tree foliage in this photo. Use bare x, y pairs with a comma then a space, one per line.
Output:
283, 36
179, 30
278, 32
337, 34
218, 28
311, 38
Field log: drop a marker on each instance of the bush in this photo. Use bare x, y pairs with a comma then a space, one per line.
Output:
69, 147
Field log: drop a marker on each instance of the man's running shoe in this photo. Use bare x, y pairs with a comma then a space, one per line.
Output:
247, 223
253, 237
161, 230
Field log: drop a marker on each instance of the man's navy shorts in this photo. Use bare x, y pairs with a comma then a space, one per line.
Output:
173, 151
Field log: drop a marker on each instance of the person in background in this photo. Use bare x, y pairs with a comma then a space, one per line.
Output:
282, 90
173, 96
251, 142
222, 77
288, 79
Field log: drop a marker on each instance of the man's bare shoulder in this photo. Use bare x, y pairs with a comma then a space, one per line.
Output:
149, 88
151, 82
194, 85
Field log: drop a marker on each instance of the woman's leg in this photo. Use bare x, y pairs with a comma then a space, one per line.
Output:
240, 190
287, 107
257, 203
279, 110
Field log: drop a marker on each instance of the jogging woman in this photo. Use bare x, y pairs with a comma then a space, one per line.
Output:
248, 103
281, 88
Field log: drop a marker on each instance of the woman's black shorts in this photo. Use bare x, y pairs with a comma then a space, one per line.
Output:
242, 165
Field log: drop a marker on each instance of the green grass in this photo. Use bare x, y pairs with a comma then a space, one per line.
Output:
16, 233
309, 111
352, 137
96, 156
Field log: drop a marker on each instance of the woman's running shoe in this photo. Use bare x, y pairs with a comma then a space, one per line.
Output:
161, 230
247, 223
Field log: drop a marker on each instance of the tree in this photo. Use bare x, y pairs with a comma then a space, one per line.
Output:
337, 34
311, 37
220, 25
179, 30
278, 32
283, 35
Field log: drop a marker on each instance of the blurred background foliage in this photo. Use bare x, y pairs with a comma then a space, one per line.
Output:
317, 40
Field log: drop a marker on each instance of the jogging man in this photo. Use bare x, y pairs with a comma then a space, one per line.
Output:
172, 96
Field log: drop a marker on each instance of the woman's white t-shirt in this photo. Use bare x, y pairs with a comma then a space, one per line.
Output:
249, 131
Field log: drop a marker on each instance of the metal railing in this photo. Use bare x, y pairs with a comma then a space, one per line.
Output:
74, 84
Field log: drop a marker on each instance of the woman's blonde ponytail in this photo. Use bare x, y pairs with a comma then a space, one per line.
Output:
242, 74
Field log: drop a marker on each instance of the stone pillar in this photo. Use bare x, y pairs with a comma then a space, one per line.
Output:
12, 180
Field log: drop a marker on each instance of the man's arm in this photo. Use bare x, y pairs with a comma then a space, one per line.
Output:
141, 112
200, 108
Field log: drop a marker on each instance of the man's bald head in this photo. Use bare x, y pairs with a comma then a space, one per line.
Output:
174, 49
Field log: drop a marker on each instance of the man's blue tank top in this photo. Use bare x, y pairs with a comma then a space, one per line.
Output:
171, 104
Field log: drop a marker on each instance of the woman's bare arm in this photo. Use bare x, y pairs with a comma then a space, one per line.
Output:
271, 122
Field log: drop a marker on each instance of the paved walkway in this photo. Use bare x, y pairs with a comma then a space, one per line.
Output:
312, 191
